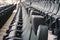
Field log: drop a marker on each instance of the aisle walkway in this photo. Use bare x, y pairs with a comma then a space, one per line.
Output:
50, 36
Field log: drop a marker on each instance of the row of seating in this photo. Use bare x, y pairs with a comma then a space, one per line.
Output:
5, 13
33, 26
19, 29
50, 10
14, 31
26, 24
6, 6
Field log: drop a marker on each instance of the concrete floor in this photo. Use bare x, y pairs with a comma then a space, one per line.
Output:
50, 36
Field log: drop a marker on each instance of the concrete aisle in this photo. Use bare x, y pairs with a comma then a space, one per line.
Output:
51, 36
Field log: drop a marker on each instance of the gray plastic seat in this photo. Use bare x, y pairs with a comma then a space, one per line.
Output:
36, 20
42, 33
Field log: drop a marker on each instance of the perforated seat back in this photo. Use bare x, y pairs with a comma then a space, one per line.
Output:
42, 32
